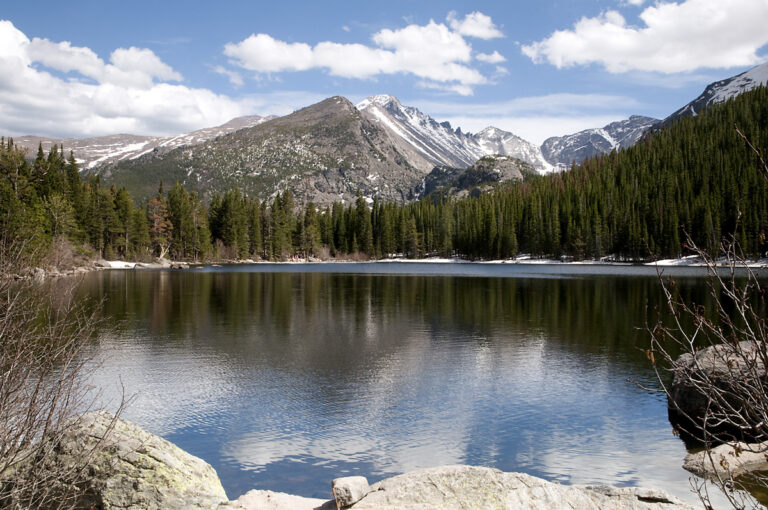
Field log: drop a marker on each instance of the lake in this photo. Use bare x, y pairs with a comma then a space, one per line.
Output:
285, 376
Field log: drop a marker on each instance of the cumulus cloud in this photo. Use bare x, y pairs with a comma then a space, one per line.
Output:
234, 77
437, 54
57, 89
673, 38
475, 24
492, 58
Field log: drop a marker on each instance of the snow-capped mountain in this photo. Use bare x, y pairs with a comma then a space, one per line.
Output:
564, 150
721, 91
104, 150
435, 143
428, 143
496, 141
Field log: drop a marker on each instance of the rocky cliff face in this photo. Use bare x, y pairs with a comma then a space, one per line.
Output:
429, 143
487, 173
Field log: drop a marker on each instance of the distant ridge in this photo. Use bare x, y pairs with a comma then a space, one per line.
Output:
723, 90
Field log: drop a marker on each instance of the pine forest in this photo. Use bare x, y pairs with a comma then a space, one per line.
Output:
697, 177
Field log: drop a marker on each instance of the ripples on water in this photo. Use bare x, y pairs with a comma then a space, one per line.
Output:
284, 381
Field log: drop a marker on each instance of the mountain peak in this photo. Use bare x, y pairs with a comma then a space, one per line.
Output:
723, 90
383, 100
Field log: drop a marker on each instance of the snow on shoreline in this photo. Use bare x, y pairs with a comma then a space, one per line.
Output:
690, 261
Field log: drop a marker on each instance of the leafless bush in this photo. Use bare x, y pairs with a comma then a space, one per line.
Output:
43, 387
719, 384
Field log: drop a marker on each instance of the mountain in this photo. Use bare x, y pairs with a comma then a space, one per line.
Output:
325, 153
91, 153
721, 91
564, 150
487, 173
429, 143
496, 141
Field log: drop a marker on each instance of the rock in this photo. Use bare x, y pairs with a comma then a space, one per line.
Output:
101, 263
163, 262
268, 500
720, 365
349, 490
134, 469
467, 487
729, 460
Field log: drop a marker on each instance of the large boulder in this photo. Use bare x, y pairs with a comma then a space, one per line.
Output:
468, 487
727, 369
134, 470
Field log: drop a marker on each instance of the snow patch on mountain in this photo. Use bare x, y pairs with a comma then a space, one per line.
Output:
562, 151
721, 91
441, 145
92, 153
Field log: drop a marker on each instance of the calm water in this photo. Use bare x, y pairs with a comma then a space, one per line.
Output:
285, 377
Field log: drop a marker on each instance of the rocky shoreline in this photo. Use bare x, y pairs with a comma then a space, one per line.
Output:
133, 469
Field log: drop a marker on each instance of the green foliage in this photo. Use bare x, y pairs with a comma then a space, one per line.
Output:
695, 177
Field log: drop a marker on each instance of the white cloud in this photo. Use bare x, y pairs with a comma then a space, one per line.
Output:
675, 37
492, 58
129, 94
234, 77
437, 54
475, 24
133, 67
636, 3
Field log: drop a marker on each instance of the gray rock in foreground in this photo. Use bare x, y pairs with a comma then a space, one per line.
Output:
726, 368
268, 500
729, 460
136, 470
468, 487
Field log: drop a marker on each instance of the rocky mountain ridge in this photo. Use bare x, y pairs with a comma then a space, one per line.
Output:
389, 153
91, 153
562, 151
484, 175
438, 144
325, 152
721, 91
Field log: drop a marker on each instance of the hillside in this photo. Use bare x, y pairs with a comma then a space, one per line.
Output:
322, 153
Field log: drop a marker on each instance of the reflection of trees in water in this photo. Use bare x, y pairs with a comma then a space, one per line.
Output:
338, 317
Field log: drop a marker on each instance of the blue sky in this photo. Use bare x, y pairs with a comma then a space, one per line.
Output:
534, 68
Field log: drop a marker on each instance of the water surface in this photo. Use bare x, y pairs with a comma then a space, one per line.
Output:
285, 377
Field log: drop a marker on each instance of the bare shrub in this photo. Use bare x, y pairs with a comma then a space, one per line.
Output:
43, 386
716, 358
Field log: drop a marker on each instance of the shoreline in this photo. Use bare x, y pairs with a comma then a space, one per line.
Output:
692, 262
689, 261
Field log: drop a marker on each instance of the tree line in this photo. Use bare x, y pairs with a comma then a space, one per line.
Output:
697, 177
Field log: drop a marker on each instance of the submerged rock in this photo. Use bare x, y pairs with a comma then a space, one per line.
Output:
133, 469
